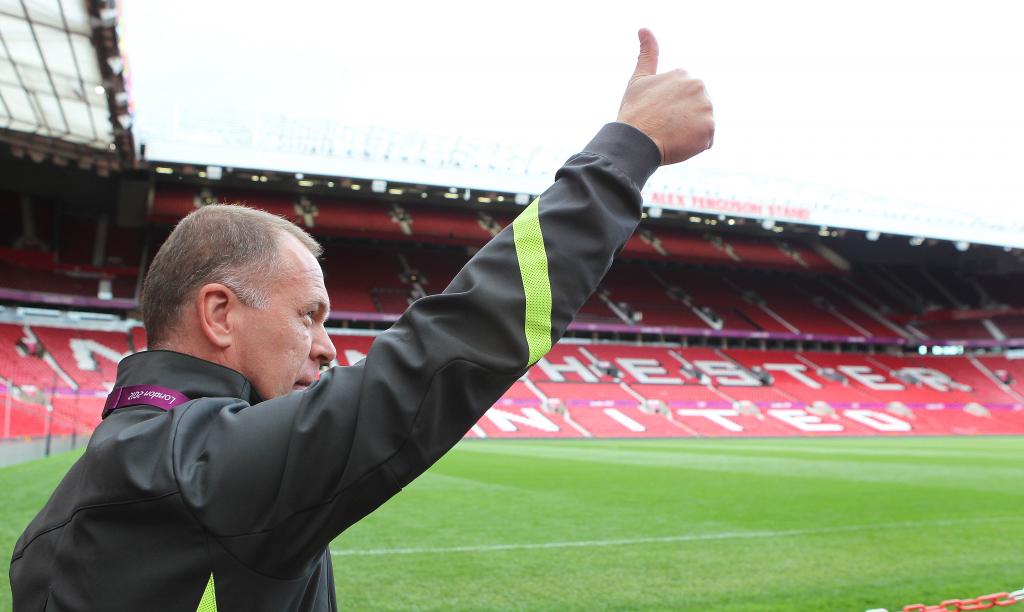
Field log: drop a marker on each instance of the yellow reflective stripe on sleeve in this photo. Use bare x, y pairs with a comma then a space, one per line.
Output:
209, 601
533, 266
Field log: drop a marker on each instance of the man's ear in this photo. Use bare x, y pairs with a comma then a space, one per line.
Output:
215, 304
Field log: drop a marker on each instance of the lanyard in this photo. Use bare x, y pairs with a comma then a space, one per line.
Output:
149, 395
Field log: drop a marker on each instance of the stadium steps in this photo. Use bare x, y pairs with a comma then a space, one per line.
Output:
942, 289
554, 405
868, 309
990, 375
993, 329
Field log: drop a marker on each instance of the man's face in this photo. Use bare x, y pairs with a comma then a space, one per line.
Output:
282, 346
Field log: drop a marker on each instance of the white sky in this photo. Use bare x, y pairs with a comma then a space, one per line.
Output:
918, 101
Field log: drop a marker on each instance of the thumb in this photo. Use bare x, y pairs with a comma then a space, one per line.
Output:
647, 62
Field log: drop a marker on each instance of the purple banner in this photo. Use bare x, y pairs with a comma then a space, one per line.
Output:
60, 299
727, 333
80, 301
351, 315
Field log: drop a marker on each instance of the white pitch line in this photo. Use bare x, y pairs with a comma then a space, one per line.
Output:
722, 535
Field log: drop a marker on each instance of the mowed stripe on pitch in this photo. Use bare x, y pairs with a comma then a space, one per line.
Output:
1004, 453
912, 474
696, 537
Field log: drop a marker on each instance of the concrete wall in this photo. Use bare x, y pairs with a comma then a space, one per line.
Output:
21, 449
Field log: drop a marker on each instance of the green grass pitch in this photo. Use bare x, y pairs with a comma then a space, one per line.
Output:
741, 524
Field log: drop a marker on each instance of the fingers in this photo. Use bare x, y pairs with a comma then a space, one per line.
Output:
647, 62
671, 108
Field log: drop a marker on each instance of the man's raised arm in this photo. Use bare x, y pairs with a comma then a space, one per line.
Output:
294, 472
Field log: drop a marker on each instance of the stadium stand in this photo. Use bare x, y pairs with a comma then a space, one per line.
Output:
965, 329
365, 280
21, 360
1004, 289
1011, 326
88, 358
673, 281
786, 309
69, 414
21, 419
709, 295
832, 295
433, 269
1009, 372
669, 277
612, 390
138, 339
608, 389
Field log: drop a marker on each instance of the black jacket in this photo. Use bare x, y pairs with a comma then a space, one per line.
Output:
245, 495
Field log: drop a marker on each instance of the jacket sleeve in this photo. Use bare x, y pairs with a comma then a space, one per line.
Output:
276, 481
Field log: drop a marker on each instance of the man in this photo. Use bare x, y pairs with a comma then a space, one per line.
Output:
224, 467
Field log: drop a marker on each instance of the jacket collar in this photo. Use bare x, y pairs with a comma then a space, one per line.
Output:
191, 376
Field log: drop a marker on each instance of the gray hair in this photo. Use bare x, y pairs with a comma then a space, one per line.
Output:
228, 244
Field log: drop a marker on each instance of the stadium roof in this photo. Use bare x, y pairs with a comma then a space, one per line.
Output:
892, 118
62, 91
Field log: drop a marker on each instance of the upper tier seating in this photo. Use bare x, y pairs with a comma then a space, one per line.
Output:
966, 330
833, 293
1012, 325
365, 280
647, 287
431, 223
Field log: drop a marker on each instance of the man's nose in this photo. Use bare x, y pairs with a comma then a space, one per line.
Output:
323, 350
